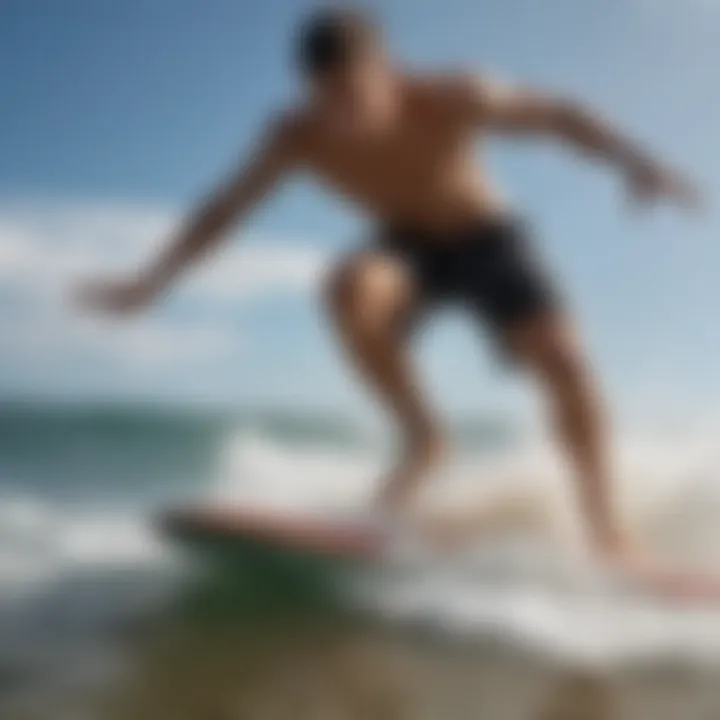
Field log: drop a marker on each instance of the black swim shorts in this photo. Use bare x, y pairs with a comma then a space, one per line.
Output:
488, 267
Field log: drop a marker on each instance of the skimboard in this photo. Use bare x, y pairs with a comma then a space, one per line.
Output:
293, 532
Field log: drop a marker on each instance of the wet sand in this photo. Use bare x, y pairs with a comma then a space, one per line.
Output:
358, 673
319, 670
344, 671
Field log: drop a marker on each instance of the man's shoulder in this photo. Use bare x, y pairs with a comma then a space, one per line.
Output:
448, 88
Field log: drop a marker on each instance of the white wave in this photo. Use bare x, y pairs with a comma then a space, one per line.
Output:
524, 579
40, 544
68, 582
257, 471
668, 491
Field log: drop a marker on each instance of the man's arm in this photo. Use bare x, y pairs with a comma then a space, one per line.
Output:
518, 111
232, 201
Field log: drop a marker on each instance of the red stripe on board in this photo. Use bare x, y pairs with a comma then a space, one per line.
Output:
294, 532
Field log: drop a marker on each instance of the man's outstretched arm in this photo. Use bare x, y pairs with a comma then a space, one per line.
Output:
231, 202
509, 110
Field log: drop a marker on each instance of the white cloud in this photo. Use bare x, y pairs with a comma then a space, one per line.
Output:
49, 248
46, 249
253, 271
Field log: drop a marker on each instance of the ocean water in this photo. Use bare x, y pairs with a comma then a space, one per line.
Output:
82, 568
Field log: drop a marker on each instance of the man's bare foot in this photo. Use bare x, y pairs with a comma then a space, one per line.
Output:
423, 453
662, 578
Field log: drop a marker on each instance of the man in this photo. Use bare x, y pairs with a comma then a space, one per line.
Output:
400, 147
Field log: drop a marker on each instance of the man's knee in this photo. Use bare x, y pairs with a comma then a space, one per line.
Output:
549, 346
368, 288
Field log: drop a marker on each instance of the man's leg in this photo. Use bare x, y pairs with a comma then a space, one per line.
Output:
549, 346
373, 300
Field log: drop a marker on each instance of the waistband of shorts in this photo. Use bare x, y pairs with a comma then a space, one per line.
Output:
403, 235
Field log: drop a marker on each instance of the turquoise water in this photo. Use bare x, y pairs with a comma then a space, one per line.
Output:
134, 455
98, 455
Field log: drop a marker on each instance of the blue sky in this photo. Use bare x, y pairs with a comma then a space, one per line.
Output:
116, 116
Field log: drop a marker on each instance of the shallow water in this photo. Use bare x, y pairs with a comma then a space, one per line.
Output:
100, 617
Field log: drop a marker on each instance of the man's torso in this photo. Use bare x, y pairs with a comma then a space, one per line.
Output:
416, 169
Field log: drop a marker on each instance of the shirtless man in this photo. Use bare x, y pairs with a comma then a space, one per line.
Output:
401, 148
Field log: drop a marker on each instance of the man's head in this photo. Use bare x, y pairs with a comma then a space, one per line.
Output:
341, 52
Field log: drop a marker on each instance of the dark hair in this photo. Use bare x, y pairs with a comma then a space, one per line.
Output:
331, 38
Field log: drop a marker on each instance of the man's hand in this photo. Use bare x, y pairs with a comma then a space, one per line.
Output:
510, 110
649, 183
118, 297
